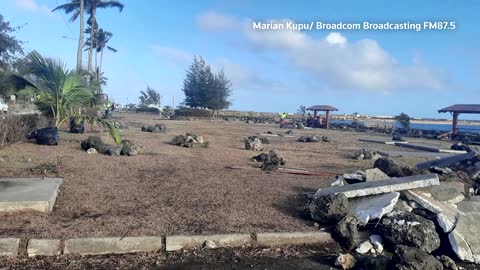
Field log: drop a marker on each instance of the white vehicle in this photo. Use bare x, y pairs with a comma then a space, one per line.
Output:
3, 106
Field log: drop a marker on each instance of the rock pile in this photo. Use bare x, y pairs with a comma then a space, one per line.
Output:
310, 138
158, 128
415, 214
94, 144
190, 140
366, 154
272, 161
253, 144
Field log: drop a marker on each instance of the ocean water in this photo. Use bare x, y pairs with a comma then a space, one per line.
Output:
439, 127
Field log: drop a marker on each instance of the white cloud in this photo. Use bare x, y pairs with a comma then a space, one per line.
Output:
213, 21
173, 55
340, 64
33, 6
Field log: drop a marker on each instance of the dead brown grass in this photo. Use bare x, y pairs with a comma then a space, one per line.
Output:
173, 190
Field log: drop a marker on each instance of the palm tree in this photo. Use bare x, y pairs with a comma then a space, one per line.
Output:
102, 39
92, 10
77, 7
62, 94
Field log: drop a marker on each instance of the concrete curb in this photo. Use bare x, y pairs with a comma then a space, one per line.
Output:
114, 245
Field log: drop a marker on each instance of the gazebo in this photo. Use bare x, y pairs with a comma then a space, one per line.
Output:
456, 110
323, 108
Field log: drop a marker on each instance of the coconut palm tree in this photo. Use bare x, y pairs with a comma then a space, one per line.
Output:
90, 6
62, 94
103, 37
92, 11
77, 7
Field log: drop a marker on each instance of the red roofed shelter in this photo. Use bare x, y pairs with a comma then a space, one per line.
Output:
456, 110
323, 108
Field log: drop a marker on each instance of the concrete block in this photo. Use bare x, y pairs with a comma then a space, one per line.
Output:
112, 245
383, 186
447, 214
448, 192
177, 242
375, 174
9, 247
447, 161
413, 154
44, 247
293, 238
464, 238
18, 194
373, 207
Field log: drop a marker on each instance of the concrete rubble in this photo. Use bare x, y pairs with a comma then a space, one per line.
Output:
407, 212
190, 140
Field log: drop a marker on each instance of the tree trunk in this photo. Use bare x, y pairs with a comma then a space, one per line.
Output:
101, 61
80, 38
92, 30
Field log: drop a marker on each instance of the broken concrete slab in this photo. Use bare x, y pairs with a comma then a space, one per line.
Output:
178, 242
448, 192
9, 247
375, 174
447, 161
43, 247
379, 141
464, 238
112, 245
37, 194
373, 207
427, 148
447, 214
383, 186
413, 154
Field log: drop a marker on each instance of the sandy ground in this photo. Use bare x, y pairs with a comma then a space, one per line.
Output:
174, 190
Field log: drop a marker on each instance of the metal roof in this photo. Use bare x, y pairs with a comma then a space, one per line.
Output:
462, 108
322, 108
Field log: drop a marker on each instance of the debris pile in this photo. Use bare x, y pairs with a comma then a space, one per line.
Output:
190, 140
158, 128
410, 213
366, 154
94, 144
253, 144
272, 161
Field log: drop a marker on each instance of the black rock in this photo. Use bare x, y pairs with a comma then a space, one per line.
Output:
409, 258
273, 160
329, 208
368, 262
409, 229
45, 136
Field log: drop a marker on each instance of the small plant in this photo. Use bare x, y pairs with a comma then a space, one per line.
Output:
302, 110
404, 120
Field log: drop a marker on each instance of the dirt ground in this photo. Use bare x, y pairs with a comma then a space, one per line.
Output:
174, 190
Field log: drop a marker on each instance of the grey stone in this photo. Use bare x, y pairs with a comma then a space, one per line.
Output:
9, 247
447, 262
383, 186
19, 194
253, 145
375, 174
130, 148
373, 207
273, 160
92, 151
112, 245
358, 176
310, 138
409, 258
328, 208
442, 170
294, 238
402, 206
327, 139
347, 232
43, 247
409, 229
178, 242
447, 215
366, 154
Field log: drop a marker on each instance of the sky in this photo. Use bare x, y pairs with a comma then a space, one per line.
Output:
374, 72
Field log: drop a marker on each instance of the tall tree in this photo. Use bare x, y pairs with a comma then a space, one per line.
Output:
10, 48
205, 89
149, 97
103, 37
78, 8
92, 11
